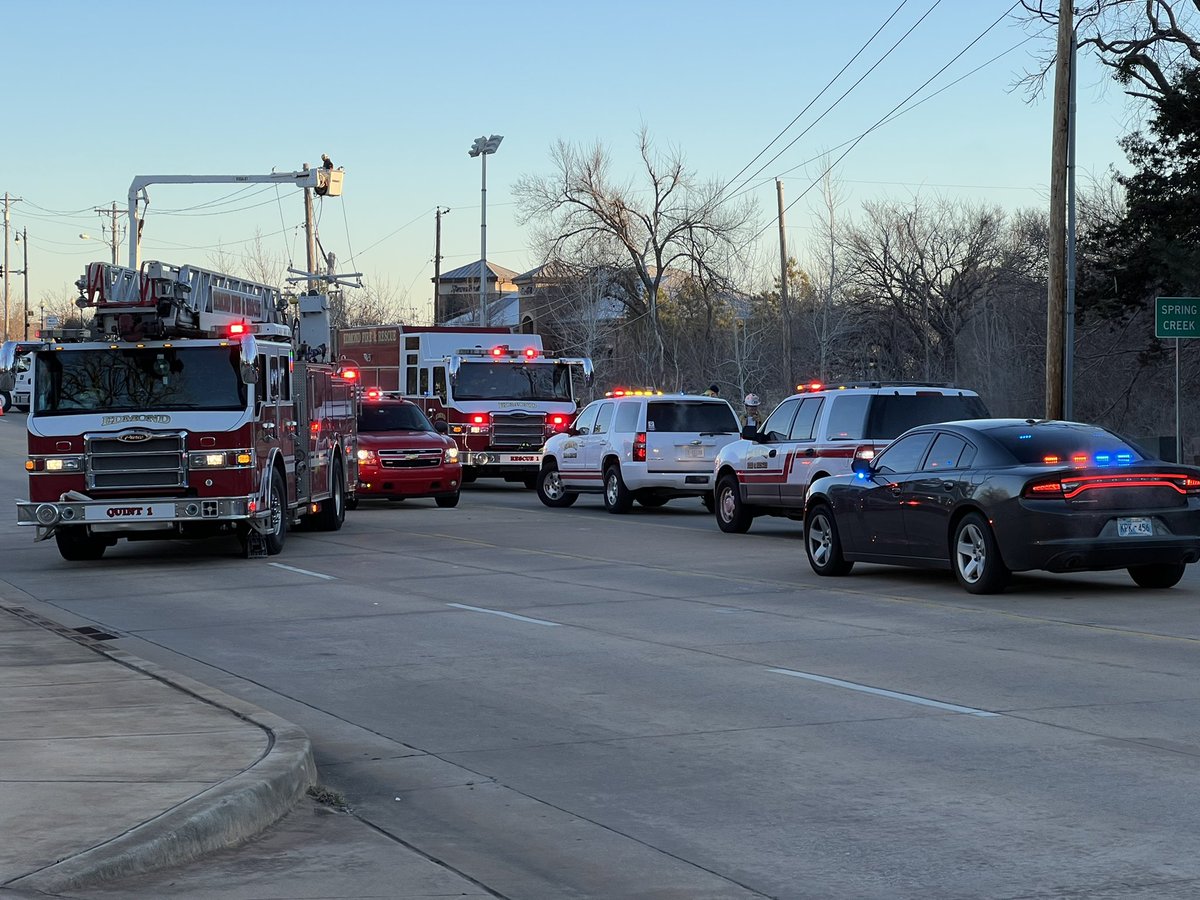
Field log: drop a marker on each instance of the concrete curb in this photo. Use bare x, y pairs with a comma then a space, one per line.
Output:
223, 815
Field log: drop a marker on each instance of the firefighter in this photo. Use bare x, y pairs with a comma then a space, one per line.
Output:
751, 416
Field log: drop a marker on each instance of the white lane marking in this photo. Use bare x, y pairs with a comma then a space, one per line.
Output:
907, 698
303, 571
507, 615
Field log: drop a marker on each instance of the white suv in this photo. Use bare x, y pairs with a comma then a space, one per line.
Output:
651, 448
817, 433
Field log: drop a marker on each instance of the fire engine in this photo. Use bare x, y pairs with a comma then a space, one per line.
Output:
194, 404
499, 393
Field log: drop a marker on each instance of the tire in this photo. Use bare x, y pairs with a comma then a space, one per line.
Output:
710, 502
732, 515
617, 498
975, 557
823, 544
5, 401
76, 545
652, 502
276, 537
447, 501
1160, 575
550, 490
333, 511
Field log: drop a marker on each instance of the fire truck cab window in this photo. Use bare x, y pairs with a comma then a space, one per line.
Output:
513, 381
439, 382
424, 386
273, 368
140, 380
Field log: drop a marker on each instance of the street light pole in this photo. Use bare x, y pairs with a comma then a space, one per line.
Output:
482, 147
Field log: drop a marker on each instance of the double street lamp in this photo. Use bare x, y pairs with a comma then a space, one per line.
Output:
482, 147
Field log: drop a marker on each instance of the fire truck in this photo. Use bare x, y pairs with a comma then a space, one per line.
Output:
194, 404
499, 393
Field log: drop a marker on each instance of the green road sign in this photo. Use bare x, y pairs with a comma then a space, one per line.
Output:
1176, 317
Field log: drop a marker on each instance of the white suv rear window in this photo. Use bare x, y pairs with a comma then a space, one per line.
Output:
678, 416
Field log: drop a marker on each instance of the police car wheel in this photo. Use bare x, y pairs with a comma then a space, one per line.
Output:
550, 488
617, 497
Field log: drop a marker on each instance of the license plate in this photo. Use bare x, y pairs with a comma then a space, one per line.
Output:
1139, 527
129, 512
695, 452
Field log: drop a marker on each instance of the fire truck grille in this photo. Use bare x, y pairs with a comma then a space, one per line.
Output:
409, 459
518, 431
157, 462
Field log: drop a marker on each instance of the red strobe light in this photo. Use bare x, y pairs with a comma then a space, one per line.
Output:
530, 352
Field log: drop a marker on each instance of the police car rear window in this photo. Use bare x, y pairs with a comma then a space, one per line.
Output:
891, 415
691, 417
1083, 445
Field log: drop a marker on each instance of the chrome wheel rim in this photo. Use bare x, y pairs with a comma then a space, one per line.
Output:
728, 504
820, 540
971, 553
552, 485
610, 488
276, 513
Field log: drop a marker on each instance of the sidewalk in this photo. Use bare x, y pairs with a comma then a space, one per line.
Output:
111, 766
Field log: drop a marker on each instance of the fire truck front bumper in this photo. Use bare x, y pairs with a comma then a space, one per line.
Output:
487, 458
132, 515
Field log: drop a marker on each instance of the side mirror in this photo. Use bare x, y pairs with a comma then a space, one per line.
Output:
249, 356
578, 431
8, 363
751, 433
860, 466
441, 427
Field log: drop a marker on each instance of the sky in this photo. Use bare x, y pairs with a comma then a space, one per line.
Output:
396, 92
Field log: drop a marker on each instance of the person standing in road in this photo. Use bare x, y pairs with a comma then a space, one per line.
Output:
713, 391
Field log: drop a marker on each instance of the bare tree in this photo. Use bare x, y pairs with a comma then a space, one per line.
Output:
926, 267
583, 214
1142, 41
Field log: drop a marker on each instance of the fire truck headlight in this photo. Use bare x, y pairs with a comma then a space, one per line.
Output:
64, 464
451, 455
366, 456
206, 460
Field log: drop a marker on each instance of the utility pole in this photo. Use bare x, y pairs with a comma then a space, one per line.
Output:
438, 312
785, 307
310, 237
112, 234
7, 268
25, 276
1056, 287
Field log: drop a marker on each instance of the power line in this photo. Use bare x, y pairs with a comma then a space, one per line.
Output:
844, 95
820, 93
892, 113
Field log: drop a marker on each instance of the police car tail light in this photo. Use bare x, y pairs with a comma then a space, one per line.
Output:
867, 453
1044, 490
639, 447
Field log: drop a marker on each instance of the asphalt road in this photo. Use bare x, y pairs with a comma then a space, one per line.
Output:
567, 703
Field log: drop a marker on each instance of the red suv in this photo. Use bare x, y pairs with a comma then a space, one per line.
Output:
401, 454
